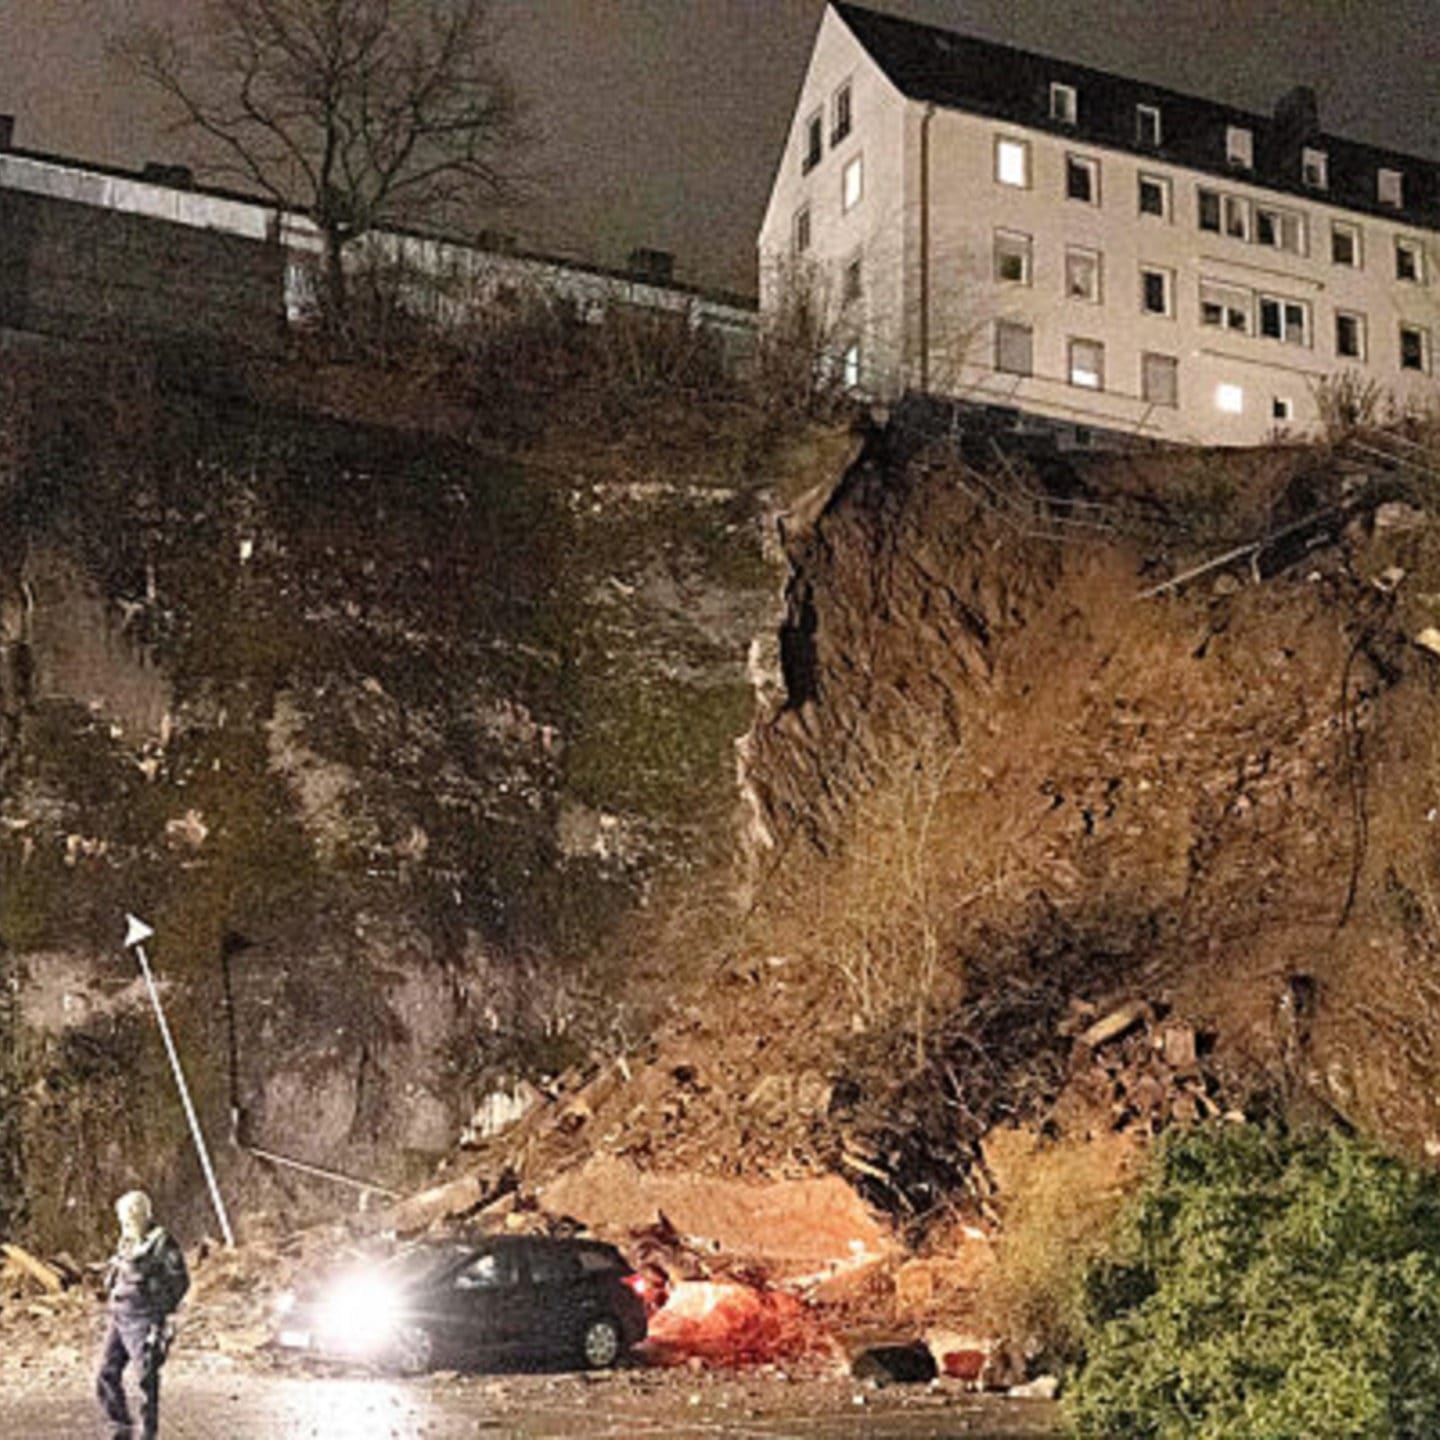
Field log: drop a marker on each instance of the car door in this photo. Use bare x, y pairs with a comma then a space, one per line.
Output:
554, 1319
486, 1288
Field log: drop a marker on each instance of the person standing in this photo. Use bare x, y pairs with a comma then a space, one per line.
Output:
146, 1280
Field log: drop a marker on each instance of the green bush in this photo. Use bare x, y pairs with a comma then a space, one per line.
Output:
1265, 1286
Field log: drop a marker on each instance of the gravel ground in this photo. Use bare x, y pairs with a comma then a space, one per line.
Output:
209, 1397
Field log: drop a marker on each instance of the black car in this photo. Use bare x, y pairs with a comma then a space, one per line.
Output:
460, 1303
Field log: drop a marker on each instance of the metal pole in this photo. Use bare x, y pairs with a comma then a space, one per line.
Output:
135, 938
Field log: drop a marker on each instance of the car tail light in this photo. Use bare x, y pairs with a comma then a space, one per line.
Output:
651, 1290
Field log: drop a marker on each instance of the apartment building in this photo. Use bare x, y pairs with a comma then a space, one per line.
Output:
1024, 233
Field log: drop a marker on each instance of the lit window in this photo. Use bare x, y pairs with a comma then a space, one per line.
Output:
1409, 260
1230, 399
840, 114
1280, 229
1082, 179
852, 184
1154, 195
1390, 188
1082, 275
1147, 126
802, 230
1285, 320
1208, 207
1157, 291
1012, 257
1349, 335
850, 365
1239, 147
1087, 364
1282, 407
814, 147
1012, 162
1228, 307
1345, 244
1315, 168
1064, 104
1414, 348
1160, 379
1014, 348
853, 284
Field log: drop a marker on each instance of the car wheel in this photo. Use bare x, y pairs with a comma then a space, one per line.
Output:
600, 1344
413, 1351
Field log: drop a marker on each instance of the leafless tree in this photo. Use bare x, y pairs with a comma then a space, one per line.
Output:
357, 113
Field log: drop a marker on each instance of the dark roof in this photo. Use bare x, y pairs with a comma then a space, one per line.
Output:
961, 72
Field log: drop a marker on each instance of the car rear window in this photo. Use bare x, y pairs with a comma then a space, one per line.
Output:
549, 1267
596, 1260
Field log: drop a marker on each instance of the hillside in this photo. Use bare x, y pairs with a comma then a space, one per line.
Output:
786, 803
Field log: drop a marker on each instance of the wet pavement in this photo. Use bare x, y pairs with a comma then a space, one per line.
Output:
204, 1399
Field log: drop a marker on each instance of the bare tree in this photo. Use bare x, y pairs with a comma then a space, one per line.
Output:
357, 113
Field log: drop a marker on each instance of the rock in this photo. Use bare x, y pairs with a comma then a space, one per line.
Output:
1429, 639
1395, 515
1042, 1387
895, 1364
1177, 1044
439, 1203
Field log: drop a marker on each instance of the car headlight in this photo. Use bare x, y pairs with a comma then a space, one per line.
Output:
358, 1315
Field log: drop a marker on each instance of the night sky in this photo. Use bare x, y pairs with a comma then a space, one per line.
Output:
663, 119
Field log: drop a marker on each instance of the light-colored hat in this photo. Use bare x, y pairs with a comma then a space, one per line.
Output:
133, 1211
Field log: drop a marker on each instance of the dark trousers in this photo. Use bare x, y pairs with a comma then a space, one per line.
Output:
129, 1340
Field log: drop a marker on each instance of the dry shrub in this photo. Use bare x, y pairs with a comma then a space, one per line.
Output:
1058, 1201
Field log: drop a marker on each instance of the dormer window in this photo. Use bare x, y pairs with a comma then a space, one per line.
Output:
1239, 147
840, 114
814, 144
1315, 168
1064, 104
1147, 126
1390, 188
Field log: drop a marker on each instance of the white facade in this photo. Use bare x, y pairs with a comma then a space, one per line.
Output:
1026, 266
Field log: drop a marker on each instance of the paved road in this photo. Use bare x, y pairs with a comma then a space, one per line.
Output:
204, 1401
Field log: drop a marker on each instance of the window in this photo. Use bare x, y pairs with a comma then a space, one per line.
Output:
1239, 147
1012, 257
840, 114
1154, 195
1157, 290
1064, 104
1285, 320
1160, 379
1082, 179
1349, 335
1208, 203
1014, 348
1237, 217
813, 144
1082, 275
850, 365
1390, 188
1414, 348
852, 183
852, 283
1409, 260
1225, 306
1280, 229
1345, 244
551, 1266
1315, 168
494, 1270
1230, 399
1087, 364
1012, 162
1282, 407
802, 230
1147, 126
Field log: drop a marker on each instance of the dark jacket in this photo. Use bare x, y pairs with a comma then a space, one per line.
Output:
148, 1280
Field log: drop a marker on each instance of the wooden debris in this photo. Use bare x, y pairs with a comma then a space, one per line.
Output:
1115, 1024
22, 1261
